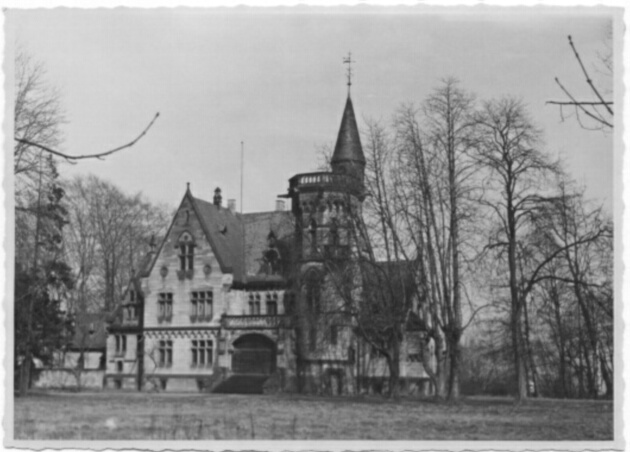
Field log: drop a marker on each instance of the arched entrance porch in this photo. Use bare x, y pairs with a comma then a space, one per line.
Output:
254, 354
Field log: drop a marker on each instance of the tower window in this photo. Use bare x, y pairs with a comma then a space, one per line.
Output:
333, 238
312, 231
313, 294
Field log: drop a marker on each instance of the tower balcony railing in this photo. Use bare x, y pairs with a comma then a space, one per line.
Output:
319, 178
322, 179
256, 321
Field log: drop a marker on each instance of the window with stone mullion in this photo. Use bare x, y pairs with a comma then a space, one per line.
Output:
165, 304
201, 353
272, 303
254, 303
165, 350
201, 305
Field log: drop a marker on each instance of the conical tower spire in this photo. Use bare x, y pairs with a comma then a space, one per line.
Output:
348, 156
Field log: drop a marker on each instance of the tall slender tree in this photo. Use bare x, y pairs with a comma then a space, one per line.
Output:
508, 148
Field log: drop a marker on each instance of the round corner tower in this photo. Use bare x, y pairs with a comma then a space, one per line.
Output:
322, 201
324, 205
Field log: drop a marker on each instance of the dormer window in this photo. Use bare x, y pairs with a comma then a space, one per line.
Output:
186, 246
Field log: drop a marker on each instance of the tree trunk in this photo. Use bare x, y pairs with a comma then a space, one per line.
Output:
441, 388
455, 361
394, 373
516, 302
532, 374
607, 377
25, 373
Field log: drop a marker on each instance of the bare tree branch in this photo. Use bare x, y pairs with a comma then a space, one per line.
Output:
72, 158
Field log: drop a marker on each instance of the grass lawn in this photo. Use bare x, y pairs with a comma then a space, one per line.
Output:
129, 416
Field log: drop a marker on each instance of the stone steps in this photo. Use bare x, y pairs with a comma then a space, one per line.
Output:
242, 384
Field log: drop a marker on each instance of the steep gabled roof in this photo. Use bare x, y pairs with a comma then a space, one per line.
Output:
237, 240
224, 231
348, 147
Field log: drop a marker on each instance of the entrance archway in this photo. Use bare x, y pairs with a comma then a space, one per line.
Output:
254, 354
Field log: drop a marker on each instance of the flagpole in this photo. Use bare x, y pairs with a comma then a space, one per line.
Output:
242, 166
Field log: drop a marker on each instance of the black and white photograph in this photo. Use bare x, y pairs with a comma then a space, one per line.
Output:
387, 227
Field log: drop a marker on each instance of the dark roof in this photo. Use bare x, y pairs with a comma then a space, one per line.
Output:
257, 229
145, 264
348, 147
89, 331
225, 230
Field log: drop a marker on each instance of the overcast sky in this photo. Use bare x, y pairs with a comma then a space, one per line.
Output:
275, 80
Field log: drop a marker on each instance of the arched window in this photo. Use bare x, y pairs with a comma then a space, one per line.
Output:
313, 292
312, 231
186, 246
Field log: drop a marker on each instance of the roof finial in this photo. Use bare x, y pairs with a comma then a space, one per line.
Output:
348, 60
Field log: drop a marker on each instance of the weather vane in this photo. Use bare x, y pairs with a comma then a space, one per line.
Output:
348, 60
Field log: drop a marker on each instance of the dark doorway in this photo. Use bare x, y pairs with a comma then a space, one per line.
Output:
254, 354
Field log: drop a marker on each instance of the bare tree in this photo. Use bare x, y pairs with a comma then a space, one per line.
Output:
598, 111
450, 130
107, 238
582, 238
40, 215
508, 145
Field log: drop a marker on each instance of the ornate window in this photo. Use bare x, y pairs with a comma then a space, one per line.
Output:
165, 353
201, 353
201, 305
186, 246
165, 306
254, 303
272, 303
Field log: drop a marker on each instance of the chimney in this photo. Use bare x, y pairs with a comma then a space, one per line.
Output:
217, 197
232, 205
279, 205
